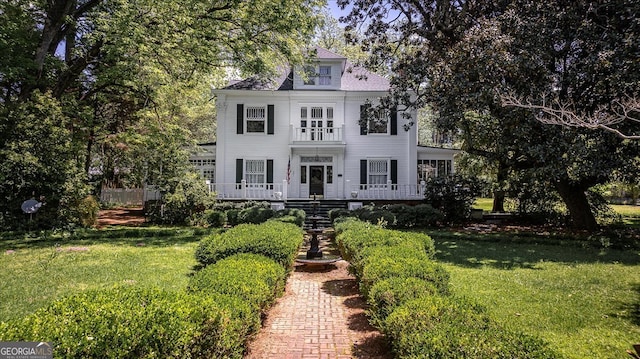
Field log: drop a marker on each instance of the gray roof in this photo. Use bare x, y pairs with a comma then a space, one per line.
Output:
354, 78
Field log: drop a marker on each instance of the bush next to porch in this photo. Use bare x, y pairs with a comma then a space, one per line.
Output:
409, 301
393, 215
276, 240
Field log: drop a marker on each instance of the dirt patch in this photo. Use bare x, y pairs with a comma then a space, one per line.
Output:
121, 217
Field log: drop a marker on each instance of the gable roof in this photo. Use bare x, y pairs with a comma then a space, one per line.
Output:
353, 78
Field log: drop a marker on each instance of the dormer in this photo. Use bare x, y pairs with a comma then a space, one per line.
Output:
324, 72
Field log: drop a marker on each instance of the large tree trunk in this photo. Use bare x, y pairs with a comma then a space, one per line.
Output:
499, 195
574, 197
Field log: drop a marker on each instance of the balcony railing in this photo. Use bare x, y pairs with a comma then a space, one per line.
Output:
317, 134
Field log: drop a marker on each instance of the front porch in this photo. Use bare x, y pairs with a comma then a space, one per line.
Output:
353, 192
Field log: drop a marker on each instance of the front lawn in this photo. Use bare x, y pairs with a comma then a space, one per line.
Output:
38, 268
585, 302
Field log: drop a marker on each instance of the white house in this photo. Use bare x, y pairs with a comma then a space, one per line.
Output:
299, 136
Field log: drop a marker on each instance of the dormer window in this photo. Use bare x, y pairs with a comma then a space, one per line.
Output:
320, 75
324, 75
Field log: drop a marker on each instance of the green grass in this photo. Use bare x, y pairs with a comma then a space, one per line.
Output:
37, 269
584, 301
486, 204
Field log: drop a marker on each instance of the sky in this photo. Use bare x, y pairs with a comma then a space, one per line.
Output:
335, 9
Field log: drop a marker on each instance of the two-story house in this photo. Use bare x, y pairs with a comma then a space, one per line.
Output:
299, 136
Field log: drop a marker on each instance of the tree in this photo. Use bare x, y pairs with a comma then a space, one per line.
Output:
126, 81
461, 56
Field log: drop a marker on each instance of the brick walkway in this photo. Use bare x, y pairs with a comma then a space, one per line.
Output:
321, 315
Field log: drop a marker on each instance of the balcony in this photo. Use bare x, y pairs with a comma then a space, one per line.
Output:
317, 135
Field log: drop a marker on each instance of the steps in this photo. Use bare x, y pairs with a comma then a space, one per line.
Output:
322, 210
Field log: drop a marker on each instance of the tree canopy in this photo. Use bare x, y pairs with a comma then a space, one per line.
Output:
463, 57
112, 91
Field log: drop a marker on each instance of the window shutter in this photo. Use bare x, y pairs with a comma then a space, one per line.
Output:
363, 171
240, 119
394, 171
239, 170
363, 129
394, 120
270, 119
269, 171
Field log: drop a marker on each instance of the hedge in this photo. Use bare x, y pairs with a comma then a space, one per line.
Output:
408, 299
435, 326
130, 322
393, 216
276, 240
256, 279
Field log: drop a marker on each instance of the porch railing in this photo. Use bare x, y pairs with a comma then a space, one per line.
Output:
387, 190
317, 134
278, 191
244, 190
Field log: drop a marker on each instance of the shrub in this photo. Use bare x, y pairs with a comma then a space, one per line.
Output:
129, 322
233, 217
385, 262
387, 294
256, 279
448, 327
276, 240
86, 211
355, 236
377, 216
255, 215
452, 195
187, 195
208, 218
340, 213
292, 215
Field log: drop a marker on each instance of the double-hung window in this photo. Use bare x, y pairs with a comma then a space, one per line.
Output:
254, 172
256, 116
378, 171
378, 121
324, 75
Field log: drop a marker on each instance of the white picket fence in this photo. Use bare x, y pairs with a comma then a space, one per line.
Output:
129, 196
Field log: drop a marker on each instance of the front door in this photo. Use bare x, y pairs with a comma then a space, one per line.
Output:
316, 181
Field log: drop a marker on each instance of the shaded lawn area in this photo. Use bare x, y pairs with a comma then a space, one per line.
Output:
39, 268
584, 301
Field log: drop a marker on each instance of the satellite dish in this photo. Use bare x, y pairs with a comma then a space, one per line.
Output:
30, 206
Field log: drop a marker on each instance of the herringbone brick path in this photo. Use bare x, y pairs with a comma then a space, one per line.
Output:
321, 315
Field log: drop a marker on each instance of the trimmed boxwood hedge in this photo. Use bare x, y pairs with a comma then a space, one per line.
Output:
388, 294
408, 299
256, 279
276, 240
446, 327
130, 322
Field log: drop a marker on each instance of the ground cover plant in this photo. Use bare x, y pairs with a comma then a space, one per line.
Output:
581, 297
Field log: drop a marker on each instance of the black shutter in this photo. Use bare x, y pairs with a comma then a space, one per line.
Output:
394, 171
239, 170
240, 119
394, 120
270, 119
269, 171
363, 129
363, 172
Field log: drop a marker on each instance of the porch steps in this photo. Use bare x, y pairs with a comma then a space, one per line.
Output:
323, 210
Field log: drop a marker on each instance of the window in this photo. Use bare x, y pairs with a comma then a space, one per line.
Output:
329, 174
433, 168
303, 174
378, 172
379, 123
324, 75
255, 119
254, 171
